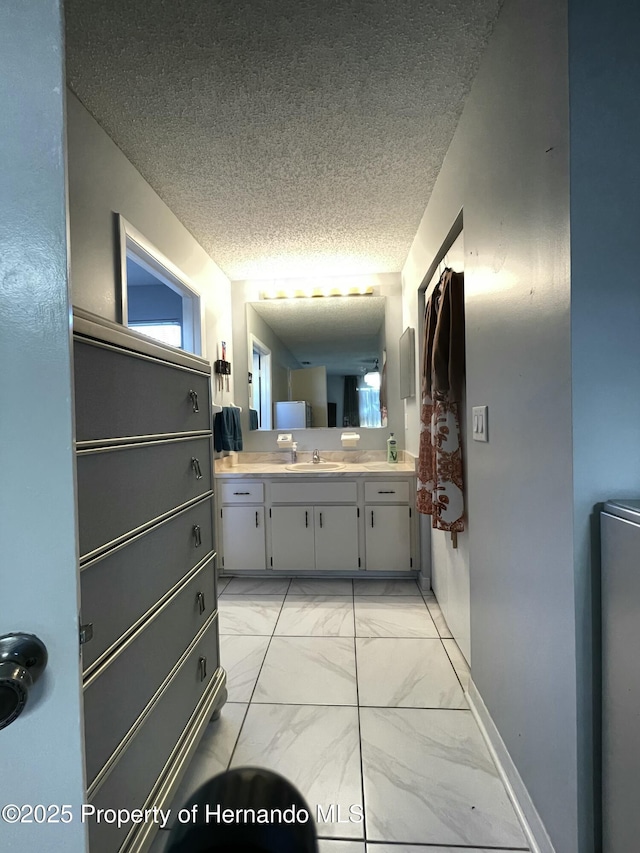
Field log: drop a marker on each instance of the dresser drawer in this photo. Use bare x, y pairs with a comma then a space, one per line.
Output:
124, 488
116, 696
119, 588
133, 778
319, 491
386, 491
119, 394
238, 493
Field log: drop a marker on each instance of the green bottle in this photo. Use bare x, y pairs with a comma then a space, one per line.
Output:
392, 449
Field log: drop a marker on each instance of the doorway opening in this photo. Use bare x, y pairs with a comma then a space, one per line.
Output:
260, 390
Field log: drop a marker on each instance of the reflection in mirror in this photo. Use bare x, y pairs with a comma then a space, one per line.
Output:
317, 362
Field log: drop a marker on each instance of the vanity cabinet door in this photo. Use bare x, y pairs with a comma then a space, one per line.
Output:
292, 538
387, 538
336, 529
243, 538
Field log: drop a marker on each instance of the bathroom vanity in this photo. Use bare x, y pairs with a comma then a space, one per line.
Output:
353, 519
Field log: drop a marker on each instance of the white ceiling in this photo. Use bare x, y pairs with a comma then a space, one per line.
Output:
288, 136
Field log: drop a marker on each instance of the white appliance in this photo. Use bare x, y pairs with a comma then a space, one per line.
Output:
293, 414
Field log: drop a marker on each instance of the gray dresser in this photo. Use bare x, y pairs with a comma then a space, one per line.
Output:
150, 656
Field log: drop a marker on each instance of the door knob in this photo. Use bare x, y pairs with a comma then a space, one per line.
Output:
23, 658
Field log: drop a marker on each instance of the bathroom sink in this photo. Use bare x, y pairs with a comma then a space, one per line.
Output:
381, 466
315, 466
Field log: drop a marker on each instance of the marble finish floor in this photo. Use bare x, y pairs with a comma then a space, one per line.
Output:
354, 691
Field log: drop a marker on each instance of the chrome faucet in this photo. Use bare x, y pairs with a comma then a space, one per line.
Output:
316, 457
294, 452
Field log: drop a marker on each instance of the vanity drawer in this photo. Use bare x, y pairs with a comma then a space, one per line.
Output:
119, 692
123, 488
239, 492
131, 781
121, 394
118, 589
318, 491
386, 491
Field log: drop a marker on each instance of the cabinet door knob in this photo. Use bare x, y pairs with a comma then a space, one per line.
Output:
320, 519
257, 525
306, 518
23, 658
202, 665
194, 400
197, 535
195, 464
201, 605
372, 518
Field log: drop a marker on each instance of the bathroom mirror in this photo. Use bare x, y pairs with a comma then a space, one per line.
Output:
326, 354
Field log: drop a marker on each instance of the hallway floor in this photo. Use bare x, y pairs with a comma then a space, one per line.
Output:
354, 692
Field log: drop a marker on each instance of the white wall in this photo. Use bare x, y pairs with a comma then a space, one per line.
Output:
103, 182
507, 169
385, 284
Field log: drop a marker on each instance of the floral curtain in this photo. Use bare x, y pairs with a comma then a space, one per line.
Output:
440, 470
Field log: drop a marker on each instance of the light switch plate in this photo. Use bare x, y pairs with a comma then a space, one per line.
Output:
479, 423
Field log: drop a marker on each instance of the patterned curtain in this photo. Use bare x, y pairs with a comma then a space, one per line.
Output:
440, 471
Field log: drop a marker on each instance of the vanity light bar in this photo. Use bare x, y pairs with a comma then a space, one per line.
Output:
306, 292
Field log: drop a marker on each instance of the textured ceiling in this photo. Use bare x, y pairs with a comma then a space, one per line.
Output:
291, 137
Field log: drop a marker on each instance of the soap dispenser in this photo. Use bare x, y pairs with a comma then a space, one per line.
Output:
392, 449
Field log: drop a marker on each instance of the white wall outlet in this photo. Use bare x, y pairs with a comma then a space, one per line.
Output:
479, 423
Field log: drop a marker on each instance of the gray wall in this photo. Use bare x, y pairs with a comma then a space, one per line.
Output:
384, 284
507, 169
604, 74
103, 182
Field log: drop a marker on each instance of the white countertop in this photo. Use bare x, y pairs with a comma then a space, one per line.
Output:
279, 469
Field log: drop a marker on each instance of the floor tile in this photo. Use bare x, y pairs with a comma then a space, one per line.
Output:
222, 584
368, 586
244, 614
316, 748
241, 657
428, 778
420, 848
309, 671
257, 586
438, 617
400, 616
327, 846
459, 663
317, 616
406, 673
321, 586
213, 754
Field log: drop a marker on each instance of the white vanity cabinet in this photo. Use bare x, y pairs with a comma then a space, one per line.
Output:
314, 525
314, 538
320, 524
242, 527
388, 526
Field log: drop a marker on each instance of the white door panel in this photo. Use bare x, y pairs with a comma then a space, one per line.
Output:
336, 529
42, 750
292, 538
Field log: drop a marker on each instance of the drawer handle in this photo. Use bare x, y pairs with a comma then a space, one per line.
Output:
197, 535
372, 518
195, 464
201, 605
194, 400
257, 525
202, 664
320, 519
386, 491
242, 493
306, 518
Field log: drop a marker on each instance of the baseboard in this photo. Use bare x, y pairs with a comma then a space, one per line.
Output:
534, 829
424, 581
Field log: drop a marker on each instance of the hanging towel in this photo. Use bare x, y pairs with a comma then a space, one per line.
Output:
253, 419
227, 433
440, 473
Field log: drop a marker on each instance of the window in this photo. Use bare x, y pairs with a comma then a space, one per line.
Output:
157, 298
